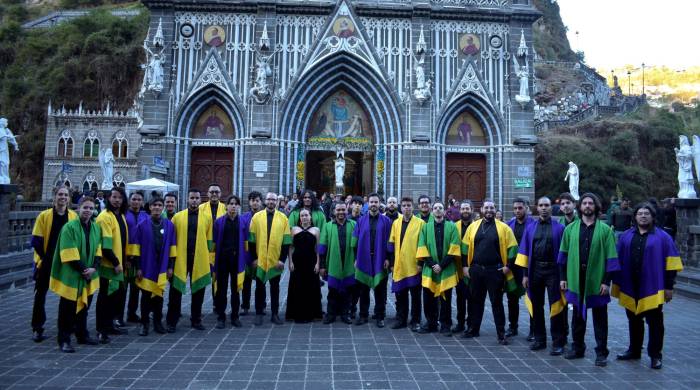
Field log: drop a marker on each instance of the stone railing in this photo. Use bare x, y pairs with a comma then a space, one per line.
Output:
474, 3
19, 231
15, 240
32, 206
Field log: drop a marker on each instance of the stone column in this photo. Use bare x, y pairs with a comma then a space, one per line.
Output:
688, 231
7, 195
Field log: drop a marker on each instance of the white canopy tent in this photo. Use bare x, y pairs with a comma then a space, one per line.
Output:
152, 184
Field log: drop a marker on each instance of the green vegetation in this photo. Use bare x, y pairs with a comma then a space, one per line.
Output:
549, 34
94, 59
633, 153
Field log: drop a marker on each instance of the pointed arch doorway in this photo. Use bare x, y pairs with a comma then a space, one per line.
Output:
212, 164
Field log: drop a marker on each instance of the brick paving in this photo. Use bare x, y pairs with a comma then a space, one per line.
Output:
337, 356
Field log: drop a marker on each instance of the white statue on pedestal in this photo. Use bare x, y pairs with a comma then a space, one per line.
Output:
572, 176
522, 72
6, 139
107, 165
684, 157
339, 169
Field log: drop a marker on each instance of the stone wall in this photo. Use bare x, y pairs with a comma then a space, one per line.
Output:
688, 233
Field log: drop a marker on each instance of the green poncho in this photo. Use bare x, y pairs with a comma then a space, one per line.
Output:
427, 251
341, 275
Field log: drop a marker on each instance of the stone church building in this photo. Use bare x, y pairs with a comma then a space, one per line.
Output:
419, 96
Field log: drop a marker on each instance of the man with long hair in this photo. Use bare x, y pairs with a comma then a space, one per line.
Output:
308, 202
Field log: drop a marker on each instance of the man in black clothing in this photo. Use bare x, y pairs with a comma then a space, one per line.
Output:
463, 292
392, 211
255, 204
621, 218
518, 223
424, 208
229, 262
170, 205
336, 252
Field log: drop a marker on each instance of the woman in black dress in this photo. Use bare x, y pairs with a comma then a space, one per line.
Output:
304, 295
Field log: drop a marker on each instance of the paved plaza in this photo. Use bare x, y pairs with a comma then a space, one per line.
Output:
317, 356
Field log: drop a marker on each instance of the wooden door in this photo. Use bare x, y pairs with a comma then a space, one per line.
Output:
466, 177
212, 165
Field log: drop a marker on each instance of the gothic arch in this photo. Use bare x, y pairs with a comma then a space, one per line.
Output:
191, 110
480, 109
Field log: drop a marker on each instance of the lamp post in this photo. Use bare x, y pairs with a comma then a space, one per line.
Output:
629, 83
643, 90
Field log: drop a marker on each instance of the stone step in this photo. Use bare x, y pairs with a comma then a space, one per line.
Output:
690, 276
688, 291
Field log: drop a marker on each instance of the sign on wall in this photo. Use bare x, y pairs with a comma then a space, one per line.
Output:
420, 169
259, 166
523, 182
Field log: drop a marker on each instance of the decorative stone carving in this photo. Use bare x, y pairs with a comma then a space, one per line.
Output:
261, 90
6, 139
572, 176
422, 91
684, 157
153, 80
522, 72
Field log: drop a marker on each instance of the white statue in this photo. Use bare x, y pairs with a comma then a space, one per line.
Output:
696, 155
155, 74
6, 139
572, 176
339, 168
107, 165
523, 96
684, 157
153, 79
261, 90
422, 91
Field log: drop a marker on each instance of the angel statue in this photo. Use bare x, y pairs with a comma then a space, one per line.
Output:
522, 72
107, 165
6, 139
261, 90
684, 157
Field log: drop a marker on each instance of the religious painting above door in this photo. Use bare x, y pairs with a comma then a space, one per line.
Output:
469, 44
465, 130
341, 120
344, 27
213, 124
214, 36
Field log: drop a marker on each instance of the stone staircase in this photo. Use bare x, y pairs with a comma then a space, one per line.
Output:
688, 283
16, 269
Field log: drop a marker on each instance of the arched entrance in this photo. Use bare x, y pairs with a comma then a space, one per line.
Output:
212, 164
465, 173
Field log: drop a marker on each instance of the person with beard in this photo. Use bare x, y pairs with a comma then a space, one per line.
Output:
170, 208
424, 208
254, 204
214, 209
268, 242
649, 261
587, 257
520, 221
74, 274
355, 209
453, 210
230, 261
193, 229
308, 202
567, 206
154, 258
337, 264
438, 247
406, 274
371, 264
134, 216
44, 239
490, 246
537, 254
392, 211
304, 293
462, 288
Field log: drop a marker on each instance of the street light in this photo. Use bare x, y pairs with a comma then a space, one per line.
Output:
629, 83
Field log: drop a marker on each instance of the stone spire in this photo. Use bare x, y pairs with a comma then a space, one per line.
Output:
158, 40
421, 46
522, 48
264, 39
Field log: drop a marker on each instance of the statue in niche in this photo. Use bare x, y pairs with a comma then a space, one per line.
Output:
261, 90
684, 157
339, 169
6, 139
522, 72
422, 91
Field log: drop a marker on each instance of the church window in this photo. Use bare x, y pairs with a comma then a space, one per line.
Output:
118, 180
65, 144
90, 182
91, 148
119, 145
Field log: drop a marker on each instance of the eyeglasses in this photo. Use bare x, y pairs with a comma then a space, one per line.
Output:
214, 192
272, 199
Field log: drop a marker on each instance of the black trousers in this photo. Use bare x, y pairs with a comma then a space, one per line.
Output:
261, 296
600, 327
402, 304
338, 302
69, 320
482, 281
175, 306
379, 299
247, 287
106, 307
226, 274
513, 310
132, 305
41, 287
464, 304
151, 304
546, 281
655, 320
433, 305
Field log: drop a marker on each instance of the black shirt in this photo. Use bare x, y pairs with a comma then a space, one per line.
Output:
372, 232
584, 242
214, 209
231, 238
439, 239
270, 217
122, 233
192, 220
341, 240
157, 229
56, 226
486, 245
542, 248
519, 230
639, 242
80, 265
425, 217
404, 226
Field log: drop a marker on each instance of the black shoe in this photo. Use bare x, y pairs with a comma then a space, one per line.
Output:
380, 324
38, 337
399, 325
158, 327
143, 330
275, 319
415, 327
445, 331
503, 340
361, 320
629, 355
328, 319
426, 330
459, 328
66, 347
118, 323
171, 328
87, 340
538, 345
601, 360
572, 354
198, 325
258, 320
102, 338
236, 323
531, 336
511, 332
656, 363
470, 334
346, 319
557, 351
244, 312
117, 331
133, 318
220, 324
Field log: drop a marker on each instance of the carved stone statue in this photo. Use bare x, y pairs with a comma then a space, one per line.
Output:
684, 157
572, 176
107, 165
339, 169
522, 72
6, 139
261, 90
422, 91
155, 73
